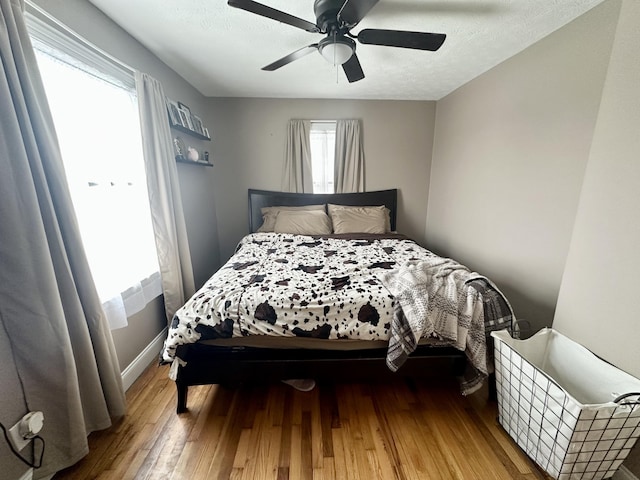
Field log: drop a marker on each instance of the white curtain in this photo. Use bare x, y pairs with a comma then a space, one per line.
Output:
349, 158
167, 214
296, 174
50, 313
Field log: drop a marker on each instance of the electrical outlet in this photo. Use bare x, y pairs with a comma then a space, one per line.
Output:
27, 427
16, 438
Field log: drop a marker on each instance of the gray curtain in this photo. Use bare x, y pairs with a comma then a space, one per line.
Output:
50, 312
349, 158
167, 214
296, 174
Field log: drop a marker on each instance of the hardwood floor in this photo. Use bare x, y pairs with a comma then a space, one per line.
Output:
400, 430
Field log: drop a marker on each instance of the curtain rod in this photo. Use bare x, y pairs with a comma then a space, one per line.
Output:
37, 11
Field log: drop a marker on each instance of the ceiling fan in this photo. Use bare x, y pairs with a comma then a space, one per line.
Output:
335, 19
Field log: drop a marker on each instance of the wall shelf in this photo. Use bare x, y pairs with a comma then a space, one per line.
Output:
193, 133
182, 119
202, 163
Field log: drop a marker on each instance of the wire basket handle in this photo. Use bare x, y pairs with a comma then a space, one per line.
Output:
519, 327
627, 395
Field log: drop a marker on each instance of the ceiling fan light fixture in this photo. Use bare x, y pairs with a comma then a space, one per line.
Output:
336, 50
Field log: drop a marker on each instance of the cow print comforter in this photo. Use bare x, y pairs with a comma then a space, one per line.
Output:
297, 286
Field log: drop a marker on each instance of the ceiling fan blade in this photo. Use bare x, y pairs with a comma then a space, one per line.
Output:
352, 69
395, 38
304, 51
259, 9
354, 10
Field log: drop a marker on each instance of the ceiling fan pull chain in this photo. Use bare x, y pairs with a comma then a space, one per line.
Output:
334, 60
335, 50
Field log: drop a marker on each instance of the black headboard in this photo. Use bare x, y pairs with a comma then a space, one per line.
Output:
264, 198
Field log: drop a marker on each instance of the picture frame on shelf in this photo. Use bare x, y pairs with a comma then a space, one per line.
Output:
185, 121
174, 112
182, 106
182, 119
197, 124
185, 115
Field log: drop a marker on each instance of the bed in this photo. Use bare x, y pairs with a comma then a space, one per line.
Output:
323, 287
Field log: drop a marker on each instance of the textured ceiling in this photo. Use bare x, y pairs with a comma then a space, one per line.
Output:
220, 50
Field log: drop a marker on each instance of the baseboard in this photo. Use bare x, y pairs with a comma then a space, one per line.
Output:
142, 361
624, 473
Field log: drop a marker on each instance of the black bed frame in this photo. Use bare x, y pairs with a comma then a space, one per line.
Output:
206, 364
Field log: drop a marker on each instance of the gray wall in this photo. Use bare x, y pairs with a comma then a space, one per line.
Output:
510, 152
142, 328
535, 181
599, 302
599, 298
249, 152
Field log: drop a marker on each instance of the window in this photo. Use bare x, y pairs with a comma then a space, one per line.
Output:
323, 144
97, 124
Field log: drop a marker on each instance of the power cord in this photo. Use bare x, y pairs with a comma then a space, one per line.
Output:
33, 464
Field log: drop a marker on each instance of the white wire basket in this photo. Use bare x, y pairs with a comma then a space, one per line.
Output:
572, 413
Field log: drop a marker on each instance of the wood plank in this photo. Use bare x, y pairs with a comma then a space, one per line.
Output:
222, 462
212, 434
392, 430
244, 447
295, 462
329, 417
187, 461
256, 444
339, 451
284, 460
306, 448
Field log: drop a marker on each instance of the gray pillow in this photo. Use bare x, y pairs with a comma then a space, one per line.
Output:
365, 218
303, 222
269, 214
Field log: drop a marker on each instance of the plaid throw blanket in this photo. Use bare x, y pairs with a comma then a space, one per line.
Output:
441, 298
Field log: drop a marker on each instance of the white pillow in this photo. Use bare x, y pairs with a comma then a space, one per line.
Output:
360, 211
269, 214
301, 222
359, 220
